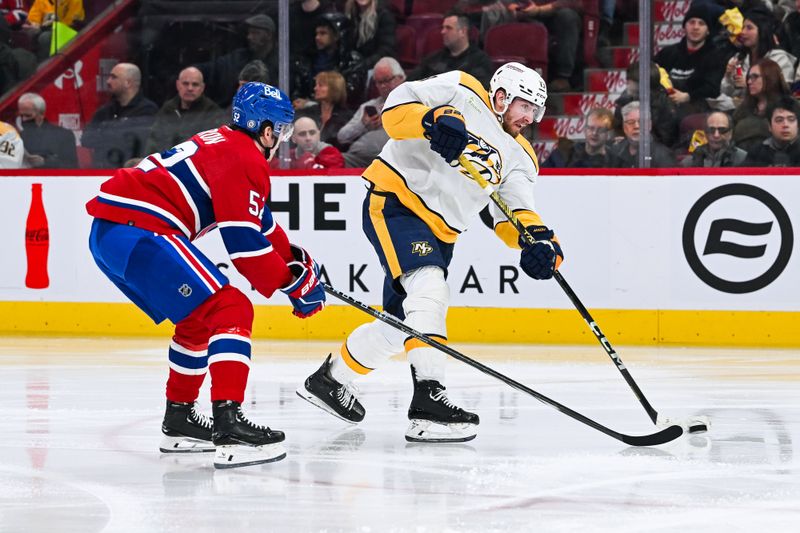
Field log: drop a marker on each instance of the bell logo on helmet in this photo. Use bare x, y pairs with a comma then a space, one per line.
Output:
272, 92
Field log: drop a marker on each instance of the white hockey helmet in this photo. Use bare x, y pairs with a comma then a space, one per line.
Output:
519, 81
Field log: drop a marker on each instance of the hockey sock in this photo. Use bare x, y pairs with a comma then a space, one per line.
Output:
425, 306
188, 360
367, 347
228, 315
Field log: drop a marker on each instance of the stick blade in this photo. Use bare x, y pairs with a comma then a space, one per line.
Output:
662, 437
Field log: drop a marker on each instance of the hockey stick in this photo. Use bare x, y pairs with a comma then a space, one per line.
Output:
696, 426
665, 435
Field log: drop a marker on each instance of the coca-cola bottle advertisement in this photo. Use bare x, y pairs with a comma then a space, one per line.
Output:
37, 241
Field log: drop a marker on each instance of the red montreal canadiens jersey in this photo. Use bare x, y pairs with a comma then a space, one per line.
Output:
216, 179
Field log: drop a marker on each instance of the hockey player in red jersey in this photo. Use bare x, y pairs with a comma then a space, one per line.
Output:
145, 220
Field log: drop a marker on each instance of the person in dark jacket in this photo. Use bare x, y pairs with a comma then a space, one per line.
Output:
303, 15
119, 129
187, 113
594, 152
719, 150
373, 34
332, 52
457, 54
47, 145
625, 154
222, 74
695, 66
782, 148
663, 111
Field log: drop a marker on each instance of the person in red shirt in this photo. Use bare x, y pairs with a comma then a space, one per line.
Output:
310, 152
145, 221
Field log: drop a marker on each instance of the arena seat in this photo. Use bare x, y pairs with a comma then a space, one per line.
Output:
525, 39
406, 38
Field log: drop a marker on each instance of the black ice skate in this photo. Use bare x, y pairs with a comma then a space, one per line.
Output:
185, 429
331, 396
434, 418
239, 442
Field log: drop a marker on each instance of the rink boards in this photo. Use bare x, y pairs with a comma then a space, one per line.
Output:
697, 258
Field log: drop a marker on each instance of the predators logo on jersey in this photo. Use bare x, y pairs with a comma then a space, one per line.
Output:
421, 248
484, 157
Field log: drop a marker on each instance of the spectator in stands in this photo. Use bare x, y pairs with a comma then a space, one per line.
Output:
12, 149
47, 145
255, 70
311, 152
332, 52
222, 74
373, 33
564, 24
758, 40
765, 85
782, 148
119, 129
44, 13
695, 66
364, 133
457, 54
594, 152
187, 113
790, 32
16, 64
303, 16
663, 111
625, 154
719, 150
329, 107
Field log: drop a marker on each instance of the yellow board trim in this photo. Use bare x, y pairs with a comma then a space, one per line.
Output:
496, 325
351, 362
376, 204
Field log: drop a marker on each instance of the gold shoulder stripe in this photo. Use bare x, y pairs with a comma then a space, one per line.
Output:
528, 150
470, 82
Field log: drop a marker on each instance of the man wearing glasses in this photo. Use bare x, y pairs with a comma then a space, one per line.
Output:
593, 153
364, 133
719, 150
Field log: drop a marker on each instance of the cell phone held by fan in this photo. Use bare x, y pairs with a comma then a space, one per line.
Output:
371, 110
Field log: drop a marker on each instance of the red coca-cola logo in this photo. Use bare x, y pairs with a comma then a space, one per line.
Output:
672, 10
38, 235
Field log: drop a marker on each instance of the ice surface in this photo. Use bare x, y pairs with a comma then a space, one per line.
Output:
81, 423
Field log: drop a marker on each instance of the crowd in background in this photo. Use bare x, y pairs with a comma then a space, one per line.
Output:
724, 95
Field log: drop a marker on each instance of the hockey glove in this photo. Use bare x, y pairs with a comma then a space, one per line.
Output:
540, 259
444, 128
305, 292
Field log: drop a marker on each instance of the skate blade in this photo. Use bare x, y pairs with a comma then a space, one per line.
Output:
184, 445
313, 400
238, 455
428, 431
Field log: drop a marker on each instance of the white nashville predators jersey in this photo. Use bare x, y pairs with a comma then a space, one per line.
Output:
444, 196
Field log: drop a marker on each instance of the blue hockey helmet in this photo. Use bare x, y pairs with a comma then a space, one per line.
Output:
256, 103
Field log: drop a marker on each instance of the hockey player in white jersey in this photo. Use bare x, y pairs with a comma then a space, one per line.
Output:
419, 201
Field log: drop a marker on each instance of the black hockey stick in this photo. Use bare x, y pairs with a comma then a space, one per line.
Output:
665, 435
499, 202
